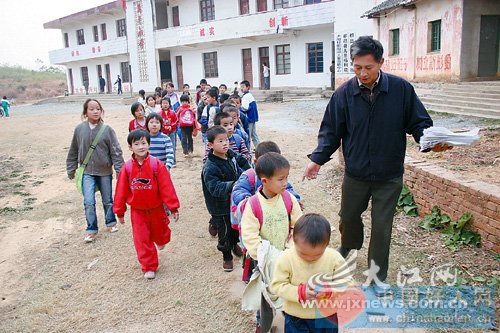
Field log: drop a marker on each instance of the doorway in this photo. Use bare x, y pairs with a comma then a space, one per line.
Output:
180, 75
99, 74
263, 58
71, 85
489, 39
247, 65
108, 78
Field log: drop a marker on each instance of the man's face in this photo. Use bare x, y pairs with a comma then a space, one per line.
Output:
367, 69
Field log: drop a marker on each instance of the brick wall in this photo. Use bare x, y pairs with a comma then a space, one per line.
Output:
454, 194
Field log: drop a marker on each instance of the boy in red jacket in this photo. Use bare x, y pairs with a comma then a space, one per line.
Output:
145, 185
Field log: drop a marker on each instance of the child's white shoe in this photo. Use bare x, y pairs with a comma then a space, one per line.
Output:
113, 229
149, 275
89, 238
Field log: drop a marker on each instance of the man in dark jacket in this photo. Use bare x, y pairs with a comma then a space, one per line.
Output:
220, 172
369, 115
102, 84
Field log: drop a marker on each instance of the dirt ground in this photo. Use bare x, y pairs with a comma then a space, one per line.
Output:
50, 281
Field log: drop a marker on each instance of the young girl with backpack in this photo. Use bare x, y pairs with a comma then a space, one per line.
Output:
95, 149
187, 122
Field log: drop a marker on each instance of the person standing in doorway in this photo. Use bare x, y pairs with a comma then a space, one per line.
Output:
86, 86
332, 75
265, 73
119, 82
102, 84
370, 116
249, 108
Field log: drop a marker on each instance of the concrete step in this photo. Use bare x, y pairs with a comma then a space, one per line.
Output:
453, 94
463, 110
490, 104
120, 99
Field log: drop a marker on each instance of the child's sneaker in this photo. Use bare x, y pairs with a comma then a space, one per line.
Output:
89, 238
228, 265
113, 229
149, 275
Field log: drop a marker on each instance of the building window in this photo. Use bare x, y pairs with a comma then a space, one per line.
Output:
66, 39
315, 58
435, 36
244, 7
125, 70
207, 10
283, 59
85, 75
261, 6
80, 37
96, 33
210, 64
280, 4
309, 2
104, 34
175, 16
121, 28
394, 42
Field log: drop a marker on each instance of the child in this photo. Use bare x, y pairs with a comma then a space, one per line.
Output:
174, 98
169, 123
219, 174
161, 146
139, 121
211, 109
5, 105
146, 187
310, 255
203, 86
187, 120
236, 143
243, 118
98, 171
158, 102
276, 222
142, 97
150, 105
238, 127
185, 91
201, 106
222, 89
249, 108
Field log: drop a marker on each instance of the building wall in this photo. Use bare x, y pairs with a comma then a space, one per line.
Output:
415, 61
91, 64
473, 9
230, 63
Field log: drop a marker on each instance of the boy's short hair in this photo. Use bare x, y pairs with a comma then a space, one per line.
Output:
223, 97
213, 131
198, 87
170, 84
269, 163
138, 134
229, 108
246, 83
134, 107
142, 92
222, 85
213, 92
167, 99
203, 81
313, 229
185, 85
265, 147
235, 96
221, 115
184, 98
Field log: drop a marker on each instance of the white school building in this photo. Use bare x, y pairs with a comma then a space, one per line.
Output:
148, 42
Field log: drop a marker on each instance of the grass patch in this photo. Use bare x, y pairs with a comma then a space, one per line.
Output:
22, 194
18, 185
29, 201
37, 183
4, 178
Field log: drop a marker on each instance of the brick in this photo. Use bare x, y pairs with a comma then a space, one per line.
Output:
493, 239
489, 213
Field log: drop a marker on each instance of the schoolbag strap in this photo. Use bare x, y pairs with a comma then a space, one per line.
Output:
287, 199
93, 145
251, 179
256, 208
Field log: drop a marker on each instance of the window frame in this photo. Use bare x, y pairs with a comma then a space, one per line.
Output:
311, 2
281, 4
66, 39
121, 28
435, 36
176, 19
125, 71
319, 64
84, 72
394, 40
104, 33
244, 4
80, 37
210, 64
281, 59
207, 10
95, 32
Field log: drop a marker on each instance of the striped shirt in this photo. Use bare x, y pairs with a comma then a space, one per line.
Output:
238, 147
161, 148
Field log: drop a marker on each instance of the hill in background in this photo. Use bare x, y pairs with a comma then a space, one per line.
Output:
25, 85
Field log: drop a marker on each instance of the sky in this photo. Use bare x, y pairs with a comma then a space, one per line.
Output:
22, 34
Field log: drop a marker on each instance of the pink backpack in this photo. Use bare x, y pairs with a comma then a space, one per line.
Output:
153, 162
186, 117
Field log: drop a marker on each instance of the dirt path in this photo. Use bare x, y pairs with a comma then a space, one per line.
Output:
47, 284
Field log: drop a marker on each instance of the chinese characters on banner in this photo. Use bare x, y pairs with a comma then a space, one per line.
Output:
207, 32
283, 21
141, 42
343, 62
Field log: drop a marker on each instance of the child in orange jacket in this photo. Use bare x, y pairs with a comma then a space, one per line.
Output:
145, 185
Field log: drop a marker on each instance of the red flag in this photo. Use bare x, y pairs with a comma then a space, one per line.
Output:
124, 5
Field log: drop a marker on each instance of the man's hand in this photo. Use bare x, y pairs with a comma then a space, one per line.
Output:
175, 216
311, 171
441, 147
121, 220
